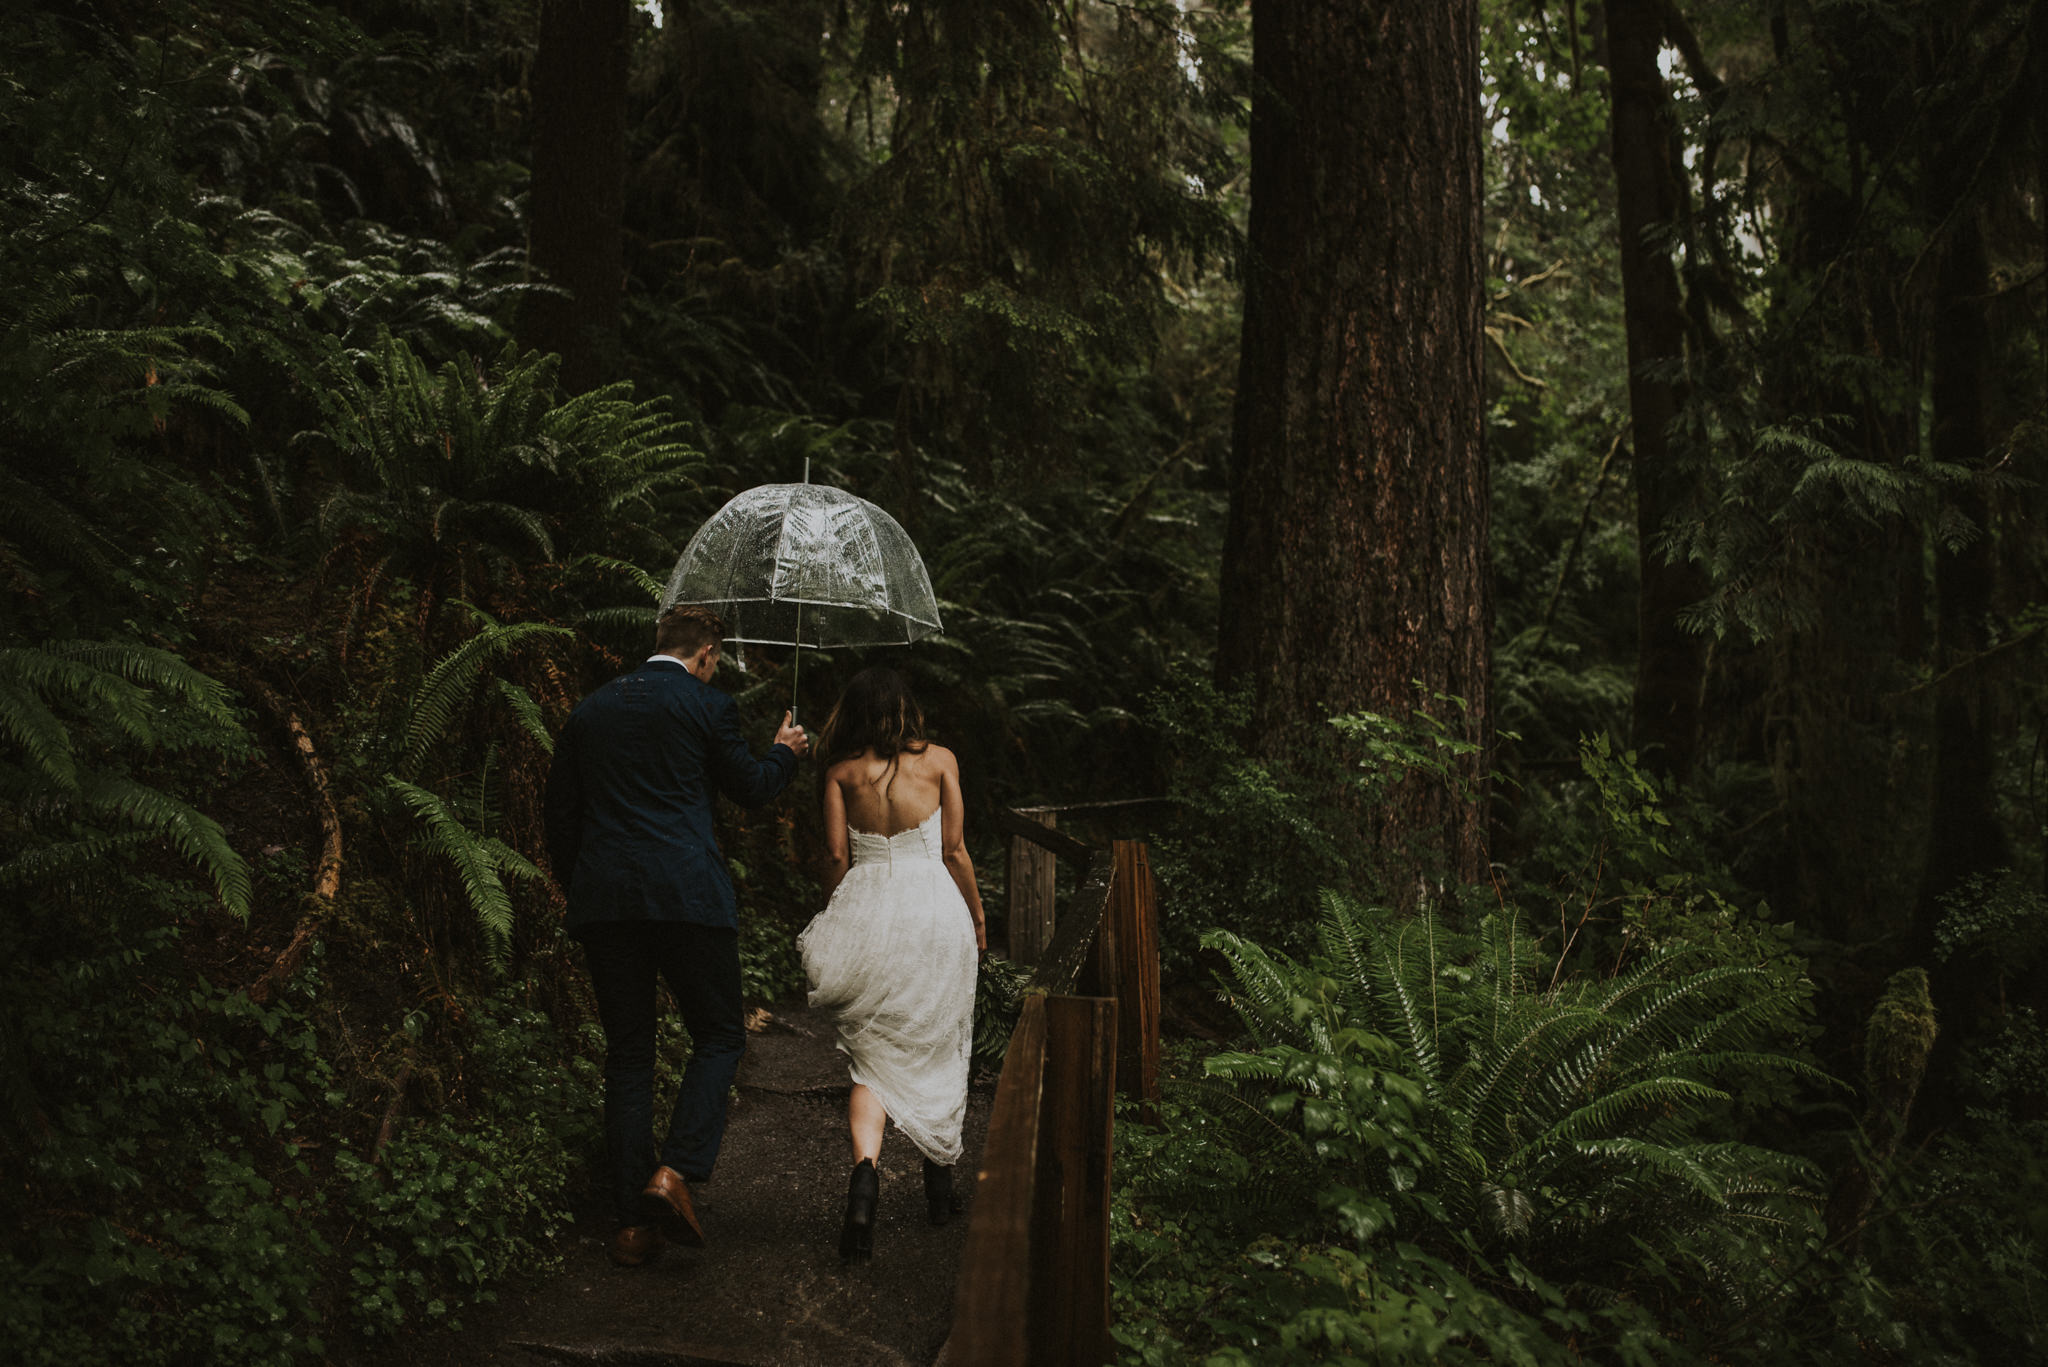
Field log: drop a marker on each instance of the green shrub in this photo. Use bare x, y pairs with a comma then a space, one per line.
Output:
168, 1210
451, 1209
1248, 849
460, 1201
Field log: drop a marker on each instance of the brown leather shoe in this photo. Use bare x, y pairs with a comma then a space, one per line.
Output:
633, 1245
667, 1199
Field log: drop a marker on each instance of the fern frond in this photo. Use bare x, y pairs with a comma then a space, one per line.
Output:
1414, 1021
1663, 1163
1525, 1048
619, 620
1265, 989
160, 671
527, 712
1343, 936
191, 832
1606, 1111
106, 695
1640, 1026
1255, 1126
649, 585
35, 728
510, 862
448, 684
60, 536
474, 858
523, 520
48, 864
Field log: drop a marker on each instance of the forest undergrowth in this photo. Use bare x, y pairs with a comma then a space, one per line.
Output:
1553, 1119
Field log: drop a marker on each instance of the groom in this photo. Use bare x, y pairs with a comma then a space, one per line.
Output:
628, 812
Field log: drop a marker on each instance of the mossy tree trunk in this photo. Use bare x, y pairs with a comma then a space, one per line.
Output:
1356, 556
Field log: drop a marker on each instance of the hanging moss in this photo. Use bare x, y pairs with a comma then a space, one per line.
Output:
1895, 1048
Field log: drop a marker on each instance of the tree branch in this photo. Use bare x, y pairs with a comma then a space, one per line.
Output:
1968, 662
319, 899
1578, 539
1493, 335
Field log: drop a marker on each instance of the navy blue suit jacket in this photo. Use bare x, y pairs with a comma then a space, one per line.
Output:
630, 793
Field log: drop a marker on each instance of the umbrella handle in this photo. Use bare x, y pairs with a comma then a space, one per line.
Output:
797, 656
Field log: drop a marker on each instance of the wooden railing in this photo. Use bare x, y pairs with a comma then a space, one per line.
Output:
1034, 1277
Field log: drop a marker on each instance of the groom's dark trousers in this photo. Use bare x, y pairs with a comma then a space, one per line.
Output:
629, 806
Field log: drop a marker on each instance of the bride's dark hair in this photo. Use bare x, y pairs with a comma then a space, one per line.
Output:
875, 712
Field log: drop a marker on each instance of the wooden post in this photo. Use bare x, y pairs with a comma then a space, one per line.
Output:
1069, 1263
992, 1300
1102, 969
1031, 892
1134, 920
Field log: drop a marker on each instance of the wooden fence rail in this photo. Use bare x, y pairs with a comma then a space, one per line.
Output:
1033, 1289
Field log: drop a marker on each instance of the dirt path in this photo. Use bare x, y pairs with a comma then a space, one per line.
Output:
769, 1290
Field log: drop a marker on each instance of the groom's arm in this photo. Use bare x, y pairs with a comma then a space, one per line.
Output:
746, 780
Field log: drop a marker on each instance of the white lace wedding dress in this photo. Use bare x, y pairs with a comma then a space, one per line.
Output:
891, 958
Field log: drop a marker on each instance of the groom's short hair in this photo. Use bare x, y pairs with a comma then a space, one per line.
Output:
687, 628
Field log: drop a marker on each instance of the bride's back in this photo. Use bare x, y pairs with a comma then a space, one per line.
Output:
884, 797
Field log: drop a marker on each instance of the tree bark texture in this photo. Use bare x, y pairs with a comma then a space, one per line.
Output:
577, 199
1649, 201
1356, 556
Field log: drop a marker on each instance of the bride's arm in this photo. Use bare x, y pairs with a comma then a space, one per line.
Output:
953, 839
837, 860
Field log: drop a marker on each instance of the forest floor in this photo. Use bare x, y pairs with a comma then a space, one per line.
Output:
769, 1289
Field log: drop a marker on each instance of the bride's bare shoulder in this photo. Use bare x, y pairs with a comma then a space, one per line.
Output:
849, 770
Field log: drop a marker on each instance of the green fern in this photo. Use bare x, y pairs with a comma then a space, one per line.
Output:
482, 864
442, 696
56, 863
527, 713
65, 706
191, 832
1569, 1112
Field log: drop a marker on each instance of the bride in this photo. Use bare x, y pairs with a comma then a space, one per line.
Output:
892, 957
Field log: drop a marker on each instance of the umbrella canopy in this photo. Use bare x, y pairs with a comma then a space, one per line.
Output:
806, 564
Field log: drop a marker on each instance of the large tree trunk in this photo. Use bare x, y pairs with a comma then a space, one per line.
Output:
1356, 557
578, 193
1649, 200
1964, 835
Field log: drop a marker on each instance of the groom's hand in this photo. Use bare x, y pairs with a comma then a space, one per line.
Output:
793, 736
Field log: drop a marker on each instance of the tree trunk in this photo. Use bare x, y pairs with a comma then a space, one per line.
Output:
578, 191
1649, 201
1964, 835
1355, 564
1847, 740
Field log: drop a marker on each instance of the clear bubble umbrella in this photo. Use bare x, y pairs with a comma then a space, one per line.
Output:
806, 565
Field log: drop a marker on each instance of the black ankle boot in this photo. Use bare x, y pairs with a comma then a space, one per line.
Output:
857, 1235
940, 1201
